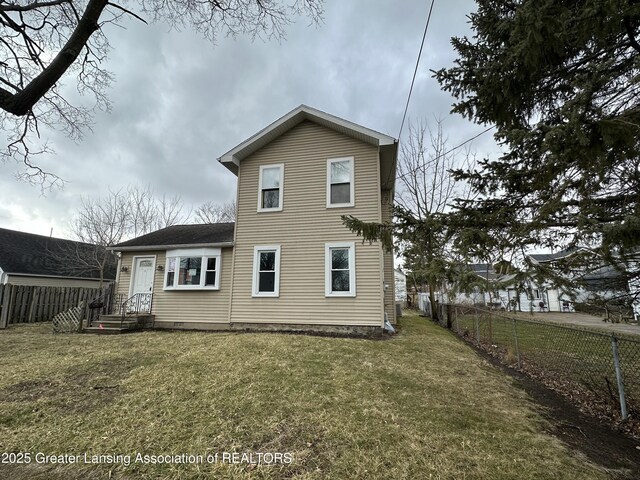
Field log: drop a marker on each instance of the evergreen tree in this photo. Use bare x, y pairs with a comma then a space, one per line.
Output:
560, 80
426, 189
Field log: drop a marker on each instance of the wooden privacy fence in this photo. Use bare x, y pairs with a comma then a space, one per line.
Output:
28, 304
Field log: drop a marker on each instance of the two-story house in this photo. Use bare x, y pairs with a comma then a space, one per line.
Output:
288, 263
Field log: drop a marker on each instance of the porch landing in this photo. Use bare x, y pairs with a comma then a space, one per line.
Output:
116, 324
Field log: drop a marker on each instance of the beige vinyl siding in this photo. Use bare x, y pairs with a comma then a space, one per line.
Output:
211, 306
303, 227
389, 276
51, 281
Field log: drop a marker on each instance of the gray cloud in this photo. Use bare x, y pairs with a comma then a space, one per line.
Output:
179, 102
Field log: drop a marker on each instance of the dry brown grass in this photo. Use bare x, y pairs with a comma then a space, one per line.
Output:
422, 405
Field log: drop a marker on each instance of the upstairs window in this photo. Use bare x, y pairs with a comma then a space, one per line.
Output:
271, 188
266, 271
340, 187
340, 269
192, 269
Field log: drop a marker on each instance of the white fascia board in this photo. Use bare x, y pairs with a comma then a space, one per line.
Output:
307, 112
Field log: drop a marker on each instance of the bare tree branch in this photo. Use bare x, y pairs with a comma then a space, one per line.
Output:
211, 212
45, 42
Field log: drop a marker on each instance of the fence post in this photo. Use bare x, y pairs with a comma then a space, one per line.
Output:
4, 308
477, 326
616, 363
515, 338
455, 317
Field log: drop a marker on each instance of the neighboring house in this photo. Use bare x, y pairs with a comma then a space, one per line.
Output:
502, 291
603, 282
28, 259
288, 262
400, 285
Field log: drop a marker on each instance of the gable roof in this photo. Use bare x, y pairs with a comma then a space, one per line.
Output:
197, 235
481, 267
388, 145
484, 271
29, 254
550, 257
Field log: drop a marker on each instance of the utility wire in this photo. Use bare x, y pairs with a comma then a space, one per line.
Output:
406, 108
420, 167
415, 71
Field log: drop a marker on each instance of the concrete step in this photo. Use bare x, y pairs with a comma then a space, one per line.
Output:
113, 324
108, 330
124, 324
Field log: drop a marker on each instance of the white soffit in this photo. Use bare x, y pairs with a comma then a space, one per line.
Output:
232, 158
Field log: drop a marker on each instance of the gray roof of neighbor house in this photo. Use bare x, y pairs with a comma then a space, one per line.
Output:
206, 234
549, 257
480, 267
30, 254
487, 272
483, 270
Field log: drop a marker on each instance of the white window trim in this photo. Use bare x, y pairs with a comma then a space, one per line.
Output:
352, 190
256, 264
133, 272
205, 254
281, 189
352, 269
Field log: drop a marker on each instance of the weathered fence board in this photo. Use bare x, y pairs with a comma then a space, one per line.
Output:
29, 304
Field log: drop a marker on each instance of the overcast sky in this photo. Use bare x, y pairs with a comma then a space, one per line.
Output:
179, 102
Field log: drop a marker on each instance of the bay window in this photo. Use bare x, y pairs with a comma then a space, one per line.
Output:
193, 269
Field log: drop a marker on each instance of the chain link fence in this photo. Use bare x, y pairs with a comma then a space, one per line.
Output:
599, 371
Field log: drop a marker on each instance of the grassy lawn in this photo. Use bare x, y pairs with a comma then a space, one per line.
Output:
422, 405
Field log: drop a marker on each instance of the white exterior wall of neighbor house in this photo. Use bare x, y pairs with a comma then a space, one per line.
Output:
401, 286
303, 228
175, 307
554, 300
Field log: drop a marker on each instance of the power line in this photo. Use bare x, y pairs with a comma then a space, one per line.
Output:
406, 108
415, 71
413, 170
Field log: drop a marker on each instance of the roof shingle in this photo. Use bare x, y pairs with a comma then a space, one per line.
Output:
30, 254
200, 234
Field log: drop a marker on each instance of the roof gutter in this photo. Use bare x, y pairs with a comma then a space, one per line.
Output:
139, 248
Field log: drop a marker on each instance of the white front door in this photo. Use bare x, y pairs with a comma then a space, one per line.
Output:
143, 275
143, 269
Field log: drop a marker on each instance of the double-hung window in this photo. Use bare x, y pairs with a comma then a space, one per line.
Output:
271, 188
266, 271
340, 269
192, 269
340, 184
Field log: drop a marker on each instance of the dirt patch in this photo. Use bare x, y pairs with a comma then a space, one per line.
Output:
28, 391
83, 388
598, 441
